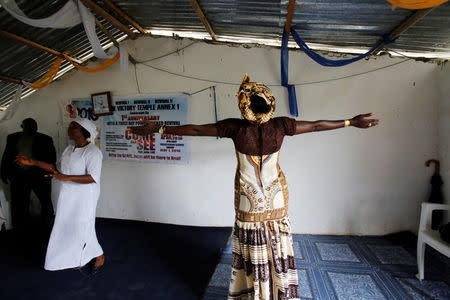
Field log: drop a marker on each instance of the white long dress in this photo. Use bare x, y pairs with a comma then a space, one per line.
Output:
73, 241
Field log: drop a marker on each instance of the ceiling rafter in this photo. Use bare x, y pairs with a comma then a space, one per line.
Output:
25, 41
289, 16
121, 13
9, 79
116, 23
112, 39
203, 18
405, 25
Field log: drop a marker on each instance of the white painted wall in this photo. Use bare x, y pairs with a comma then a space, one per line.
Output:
443, 74
347, 181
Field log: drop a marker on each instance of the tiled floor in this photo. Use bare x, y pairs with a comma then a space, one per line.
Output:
351, 267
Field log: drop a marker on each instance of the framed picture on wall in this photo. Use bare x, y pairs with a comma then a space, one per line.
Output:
101, 104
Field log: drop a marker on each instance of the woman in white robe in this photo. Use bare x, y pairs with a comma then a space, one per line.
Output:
73, 241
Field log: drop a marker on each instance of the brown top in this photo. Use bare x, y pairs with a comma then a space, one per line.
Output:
252, 139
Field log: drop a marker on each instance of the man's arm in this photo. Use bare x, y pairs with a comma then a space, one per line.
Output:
360, 121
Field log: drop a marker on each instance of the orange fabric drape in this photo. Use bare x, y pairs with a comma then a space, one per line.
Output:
416, 4
47, 78
99, 68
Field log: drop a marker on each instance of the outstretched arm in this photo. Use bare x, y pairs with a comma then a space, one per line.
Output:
28, 161
360, 121
83, 179
149, 127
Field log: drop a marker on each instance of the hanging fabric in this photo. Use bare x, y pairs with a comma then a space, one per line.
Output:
416, 4
293, 108
99, 68
124, 61
69, 15
89, 26
329, 62
66, 17
317, 58
47, 78
12, 107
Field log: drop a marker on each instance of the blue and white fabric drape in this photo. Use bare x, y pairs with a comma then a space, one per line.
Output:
66, 17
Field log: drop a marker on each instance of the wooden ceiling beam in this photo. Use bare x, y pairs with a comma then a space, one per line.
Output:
405, 25
98, 10
290, 14
121, 13
11, 80
112, 39
22, 40
107, 33
203, 18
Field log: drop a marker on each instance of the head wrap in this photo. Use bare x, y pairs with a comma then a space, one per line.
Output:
88, 125
255, 100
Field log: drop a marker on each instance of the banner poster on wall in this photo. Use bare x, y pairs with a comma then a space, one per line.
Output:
165, 109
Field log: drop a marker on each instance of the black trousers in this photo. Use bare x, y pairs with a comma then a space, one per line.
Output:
21, 186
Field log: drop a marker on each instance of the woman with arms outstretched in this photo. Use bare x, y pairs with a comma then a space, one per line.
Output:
73, 241
263, 265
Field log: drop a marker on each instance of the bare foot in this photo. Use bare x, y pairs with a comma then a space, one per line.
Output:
99, 260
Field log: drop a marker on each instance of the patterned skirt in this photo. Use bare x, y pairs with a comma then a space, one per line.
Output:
263, 265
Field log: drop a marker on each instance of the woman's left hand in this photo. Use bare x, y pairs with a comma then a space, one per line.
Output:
58, 176
361, 121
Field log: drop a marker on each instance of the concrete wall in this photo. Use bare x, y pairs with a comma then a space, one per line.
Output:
347, 181
443, 74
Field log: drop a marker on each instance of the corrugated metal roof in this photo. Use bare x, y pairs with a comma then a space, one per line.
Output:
26, 63
335, 23
332, 22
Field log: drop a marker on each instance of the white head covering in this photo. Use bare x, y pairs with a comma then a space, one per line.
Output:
88, 125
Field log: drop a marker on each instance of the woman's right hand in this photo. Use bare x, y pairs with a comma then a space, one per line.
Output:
24, 160
58, 176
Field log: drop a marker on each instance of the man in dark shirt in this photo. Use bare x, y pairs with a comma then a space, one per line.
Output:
24, 179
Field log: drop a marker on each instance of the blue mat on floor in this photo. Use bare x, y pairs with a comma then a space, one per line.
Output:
352, 267
143, 261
